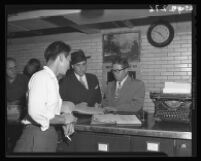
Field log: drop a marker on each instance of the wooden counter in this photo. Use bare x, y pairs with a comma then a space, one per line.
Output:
169, 138
149, 128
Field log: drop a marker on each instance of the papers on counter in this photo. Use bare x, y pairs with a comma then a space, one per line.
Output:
115, 119
177, 87
98, 116
88, 110
68, 107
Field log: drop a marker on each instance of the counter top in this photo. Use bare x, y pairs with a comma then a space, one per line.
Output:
148, 128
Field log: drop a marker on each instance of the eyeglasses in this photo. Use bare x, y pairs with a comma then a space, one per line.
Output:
118, 70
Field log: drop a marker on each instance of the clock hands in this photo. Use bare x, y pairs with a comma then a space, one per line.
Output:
159, 34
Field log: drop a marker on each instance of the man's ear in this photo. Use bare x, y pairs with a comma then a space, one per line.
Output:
61, 57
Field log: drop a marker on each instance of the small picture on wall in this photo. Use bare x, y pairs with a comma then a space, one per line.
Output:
126, 44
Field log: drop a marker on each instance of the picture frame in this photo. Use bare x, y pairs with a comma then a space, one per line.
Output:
123, 44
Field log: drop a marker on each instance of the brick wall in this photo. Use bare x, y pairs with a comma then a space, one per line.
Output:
157, 65
171, 63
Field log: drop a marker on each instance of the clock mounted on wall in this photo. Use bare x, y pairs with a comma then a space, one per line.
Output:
160, 33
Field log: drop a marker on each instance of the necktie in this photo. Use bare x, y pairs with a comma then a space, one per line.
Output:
117, 91
83, 82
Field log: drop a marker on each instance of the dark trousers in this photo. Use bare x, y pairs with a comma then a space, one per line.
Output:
35, 140
13, 133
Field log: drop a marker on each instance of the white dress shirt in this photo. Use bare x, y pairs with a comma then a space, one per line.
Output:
84, 79
120, 84
44, 101
118, 87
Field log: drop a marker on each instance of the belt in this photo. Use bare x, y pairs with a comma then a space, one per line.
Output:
37, 125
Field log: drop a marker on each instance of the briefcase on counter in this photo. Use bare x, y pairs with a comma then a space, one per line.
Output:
172, 107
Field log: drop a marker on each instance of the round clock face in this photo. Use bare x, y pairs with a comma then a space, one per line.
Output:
160, 34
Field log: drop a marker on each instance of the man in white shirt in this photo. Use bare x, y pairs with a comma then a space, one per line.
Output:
45, 103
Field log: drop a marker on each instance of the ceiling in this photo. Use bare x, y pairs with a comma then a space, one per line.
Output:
26, 23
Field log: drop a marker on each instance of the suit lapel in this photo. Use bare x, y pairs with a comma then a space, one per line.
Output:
78, 82
74, 78
125, 85
113, 88
88, 81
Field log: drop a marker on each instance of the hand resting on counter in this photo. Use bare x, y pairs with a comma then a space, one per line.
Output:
67, 107
109, 109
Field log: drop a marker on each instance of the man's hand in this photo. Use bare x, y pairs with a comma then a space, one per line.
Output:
109, 109
97, 105
68, 129
83, 104
67, 106
69, 118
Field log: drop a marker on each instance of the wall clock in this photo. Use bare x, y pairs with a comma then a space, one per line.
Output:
160, 33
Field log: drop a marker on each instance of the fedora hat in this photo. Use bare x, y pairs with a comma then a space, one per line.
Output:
78, 56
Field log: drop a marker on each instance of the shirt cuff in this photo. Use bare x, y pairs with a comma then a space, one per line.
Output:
46, 124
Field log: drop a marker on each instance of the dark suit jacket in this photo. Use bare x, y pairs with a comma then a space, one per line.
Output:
72, 90
131, 96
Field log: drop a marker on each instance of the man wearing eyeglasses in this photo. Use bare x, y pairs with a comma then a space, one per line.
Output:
125, 93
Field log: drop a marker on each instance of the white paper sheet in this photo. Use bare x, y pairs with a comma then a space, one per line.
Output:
116, 119
177, 87
88, 110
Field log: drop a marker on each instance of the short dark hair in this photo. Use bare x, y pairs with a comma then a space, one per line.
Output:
55, 48
32, 62
11, 59
121, 61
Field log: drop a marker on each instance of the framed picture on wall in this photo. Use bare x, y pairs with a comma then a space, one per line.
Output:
124, 44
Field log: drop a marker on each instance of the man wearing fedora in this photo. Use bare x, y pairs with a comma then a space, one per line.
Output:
78, 86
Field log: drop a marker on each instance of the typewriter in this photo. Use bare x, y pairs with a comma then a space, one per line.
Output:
172, 107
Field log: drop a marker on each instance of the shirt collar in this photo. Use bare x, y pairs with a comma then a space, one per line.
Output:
78, 77
50, 71
122, 82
